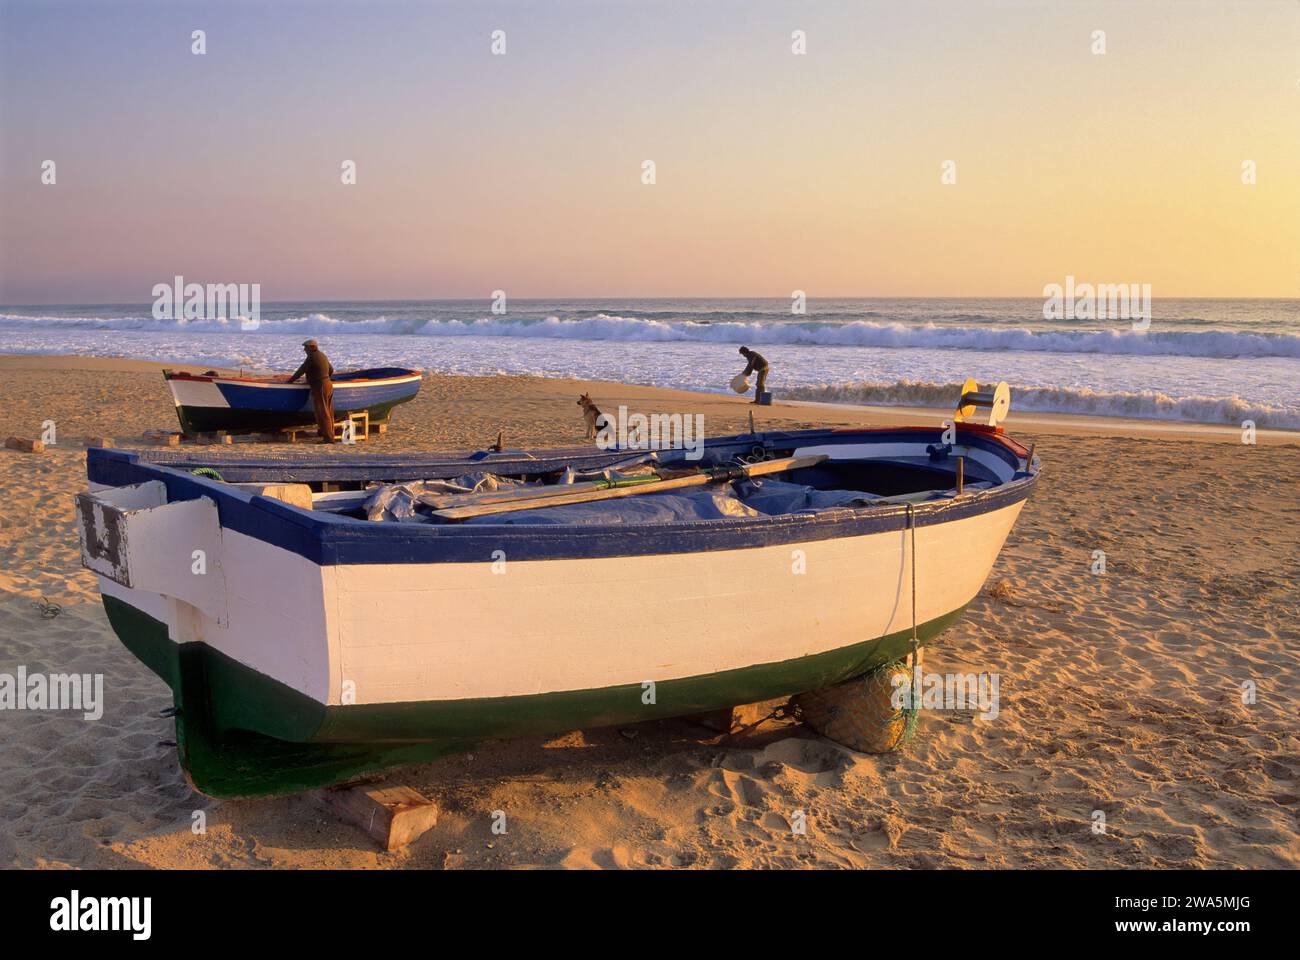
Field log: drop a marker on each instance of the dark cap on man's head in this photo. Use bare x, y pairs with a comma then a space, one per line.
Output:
744, 349
310, 343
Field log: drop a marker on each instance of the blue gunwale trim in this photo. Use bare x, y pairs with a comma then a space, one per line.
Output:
297, 397
384, 468
355, 466
326, 539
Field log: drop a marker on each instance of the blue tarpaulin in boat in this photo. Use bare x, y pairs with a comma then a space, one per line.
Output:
400, 501
644, 508
775, 497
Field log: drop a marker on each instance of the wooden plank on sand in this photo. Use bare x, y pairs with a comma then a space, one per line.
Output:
25, 445
393, 816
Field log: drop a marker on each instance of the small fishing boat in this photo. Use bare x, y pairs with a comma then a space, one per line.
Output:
210, 402
309, 637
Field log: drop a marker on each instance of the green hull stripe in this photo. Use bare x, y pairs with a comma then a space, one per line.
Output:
242, 733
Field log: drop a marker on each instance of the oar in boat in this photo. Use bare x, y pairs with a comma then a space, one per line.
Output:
700, 479
441, 501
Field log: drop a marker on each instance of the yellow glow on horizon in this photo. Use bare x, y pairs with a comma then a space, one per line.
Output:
775, 172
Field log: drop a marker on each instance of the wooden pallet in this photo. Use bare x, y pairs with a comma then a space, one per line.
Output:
360, 428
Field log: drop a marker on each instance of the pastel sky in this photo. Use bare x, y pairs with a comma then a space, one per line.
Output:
523, 172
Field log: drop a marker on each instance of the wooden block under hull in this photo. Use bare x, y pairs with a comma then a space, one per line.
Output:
393, 816
731, 719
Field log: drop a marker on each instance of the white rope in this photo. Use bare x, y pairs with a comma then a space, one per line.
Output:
915, 678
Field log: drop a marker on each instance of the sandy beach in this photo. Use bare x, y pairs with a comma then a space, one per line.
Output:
1121, 693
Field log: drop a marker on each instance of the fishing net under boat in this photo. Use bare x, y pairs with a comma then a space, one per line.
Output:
867, 713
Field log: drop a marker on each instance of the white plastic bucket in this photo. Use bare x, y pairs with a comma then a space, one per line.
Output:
740, 384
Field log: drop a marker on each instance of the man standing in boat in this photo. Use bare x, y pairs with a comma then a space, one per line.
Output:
756, 363
318, 369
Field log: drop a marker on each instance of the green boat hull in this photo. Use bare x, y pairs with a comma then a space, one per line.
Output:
241, 733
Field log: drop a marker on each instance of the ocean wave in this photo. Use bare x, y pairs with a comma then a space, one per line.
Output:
1138, 405
610, 327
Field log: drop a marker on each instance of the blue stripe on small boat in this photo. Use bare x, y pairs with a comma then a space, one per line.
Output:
297, 399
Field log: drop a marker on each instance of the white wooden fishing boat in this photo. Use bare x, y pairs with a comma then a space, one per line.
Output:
310, 645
